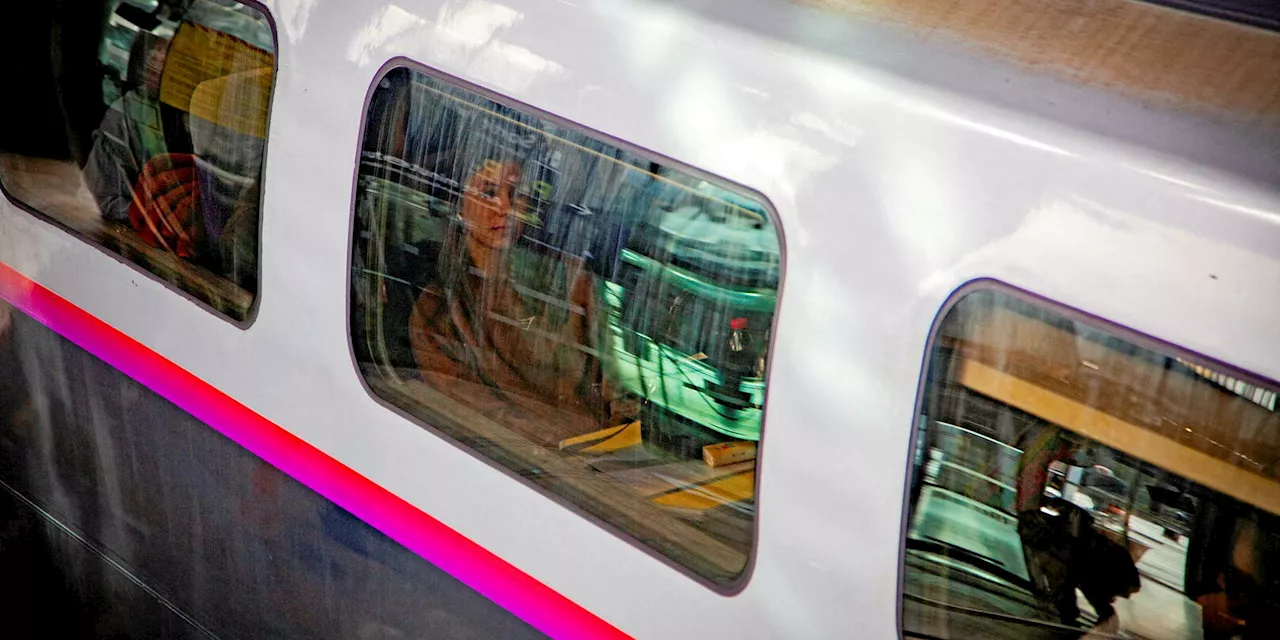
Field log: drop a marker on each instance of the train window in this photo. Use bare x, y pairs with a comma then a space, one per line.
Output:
1069, 482
154, 149
594, 320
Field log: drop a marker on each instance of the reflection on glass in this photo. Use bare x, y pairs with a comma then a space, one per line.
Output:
1069, 483
168, 174
591, 319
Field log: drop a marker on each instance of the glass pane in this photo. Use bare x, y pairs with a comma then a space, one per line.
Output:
1069, 482
591, 319
158, 155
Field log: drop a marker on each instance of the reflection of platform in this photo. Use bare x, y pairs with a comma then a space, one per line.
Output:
944, 598
1166, 561
1156, 613
953, 520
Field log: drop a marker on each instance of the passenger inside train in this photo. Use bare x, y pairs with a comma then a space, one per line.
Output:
592, 319
168, 174
478, 323
1014, 530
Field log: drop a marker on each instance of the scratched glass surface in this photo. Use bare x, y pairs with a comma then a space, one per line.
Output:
1068, 482
591, 319
156, 153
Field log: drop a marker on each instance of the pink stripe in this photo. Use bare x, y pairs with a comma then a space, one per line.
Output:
509, 587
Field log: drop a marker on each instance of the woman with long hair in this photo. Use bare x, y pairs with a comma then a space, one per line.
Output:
517, 326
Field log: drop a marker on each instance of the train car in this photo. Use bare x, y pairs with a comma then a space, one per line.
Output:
640, 318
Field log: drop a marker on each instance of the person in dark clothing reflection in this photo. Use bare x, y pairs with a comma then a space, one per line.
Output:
177, 157
1232, 559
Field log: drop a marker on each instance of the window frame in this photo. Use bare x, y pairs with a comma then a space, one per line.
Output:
727, 589
251, 313
1044, 303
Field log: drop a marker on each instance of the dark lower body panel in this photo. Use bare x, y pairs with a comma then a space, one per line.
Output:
122, 516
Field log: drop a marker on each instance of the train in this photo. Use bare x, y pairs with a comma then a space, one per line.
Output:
640, 319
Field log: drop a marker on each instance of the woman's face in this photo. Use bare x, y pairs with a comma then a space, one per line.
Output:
490, 204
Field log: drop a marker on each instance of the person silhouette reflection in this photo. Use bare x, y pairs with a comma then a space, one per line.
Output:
1063, 548
138, 170
185, 182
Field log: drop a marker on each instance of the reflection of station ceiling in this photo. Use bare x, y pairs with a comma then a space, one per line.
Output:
1262, 397
1154, 409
